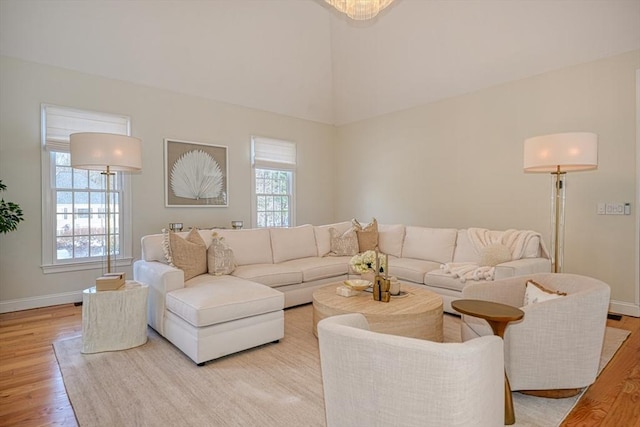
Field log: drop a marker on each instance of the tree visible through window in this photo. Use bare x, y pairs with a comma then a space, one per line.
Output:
274, 164
273, 198
80, 211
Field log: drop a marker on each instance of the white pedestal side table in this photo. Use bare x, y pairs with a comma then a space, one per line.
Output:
114, 320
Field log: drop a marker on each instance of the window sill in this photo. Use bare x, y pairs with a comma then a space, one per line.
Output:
82, 265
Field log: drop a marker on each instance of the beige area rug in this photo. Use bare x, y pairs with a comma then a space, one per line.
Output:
272, 385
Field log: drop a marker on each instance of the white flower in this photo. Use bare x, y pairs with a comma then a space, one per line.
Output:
361, 263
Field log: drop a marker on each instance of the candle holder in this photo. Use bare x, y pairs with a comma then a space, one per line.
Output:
175, 226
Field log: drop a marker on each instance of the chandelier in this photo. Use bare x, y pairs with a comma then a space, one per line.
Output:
360, 10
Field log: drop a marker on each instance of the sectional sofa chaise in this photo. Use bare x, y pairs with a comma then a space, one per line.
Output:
212, 315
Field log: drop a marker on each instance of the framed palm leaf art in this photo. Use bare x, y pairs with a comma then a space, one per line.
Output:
196, 174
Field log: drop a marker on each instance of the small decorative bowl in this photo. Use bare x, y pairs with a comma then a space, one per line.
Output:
357, 284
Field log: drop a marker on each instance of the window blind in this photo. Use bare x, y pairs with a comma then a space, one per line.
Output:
60, 122
273, 153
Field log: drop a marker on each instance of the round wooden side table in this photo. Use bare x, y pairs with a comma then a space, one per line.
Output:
498, 316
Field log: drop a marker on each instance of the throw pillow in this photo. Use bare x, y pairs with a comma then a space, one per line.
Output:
494, 254
536, 293
220, 259
367, 235
188, 254
345, 244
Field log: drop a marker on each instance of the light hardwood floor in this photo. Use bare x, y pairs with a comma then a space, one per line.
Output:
32, 392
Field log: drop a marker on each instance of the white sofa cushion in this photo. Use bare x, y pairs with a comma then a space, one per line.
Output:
410, 269
439, 279
218, 299
323, 237
390, 239
320, 268
269, 274
465, 250
293, 243
252, 246
430, 244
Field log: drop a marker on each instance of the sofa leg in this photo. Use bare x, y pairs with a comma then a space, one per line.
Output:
201, 363
275, 342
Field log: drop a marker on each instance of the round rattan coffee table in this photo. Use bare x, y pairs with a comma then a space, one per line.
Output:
416, 315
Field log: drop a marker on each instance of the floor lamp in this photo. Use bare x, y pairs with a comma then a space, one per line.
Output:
107, 153
558, 154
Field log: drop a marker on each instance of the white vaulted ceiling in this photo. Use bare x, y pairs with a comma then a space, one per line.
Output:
302, 59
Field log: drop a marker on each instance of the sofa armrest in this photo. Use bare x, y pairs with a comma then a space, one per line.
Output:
162, 279
522, 267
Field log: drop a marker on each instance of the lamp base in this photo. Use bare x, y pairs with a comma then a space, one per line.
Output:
110, 282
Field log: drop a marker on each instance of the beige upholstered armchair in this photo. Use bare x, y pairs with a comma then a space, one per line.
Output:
373, 379
554, 351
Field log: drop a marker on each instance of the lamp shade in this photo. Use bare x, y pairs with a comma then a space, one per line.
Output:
96, 151
570, 151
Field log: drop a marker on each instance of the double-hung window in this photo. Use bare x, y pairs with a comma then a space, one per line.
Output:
73, 200
273, 166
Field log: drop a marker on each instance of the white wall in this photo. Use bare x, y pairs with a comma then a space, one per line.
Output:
458, 163
419, 52
155, 114
454, 163
271, 55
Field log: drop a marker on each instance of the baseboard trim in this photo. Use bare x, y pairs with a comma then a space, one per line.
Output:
40, 301
625, 308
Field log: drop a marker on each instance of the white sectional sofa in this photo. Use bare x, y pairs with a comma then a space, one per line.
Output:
209, 316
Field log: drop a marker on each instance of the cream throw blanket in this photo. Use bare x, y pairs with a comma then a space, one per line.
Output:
515, 240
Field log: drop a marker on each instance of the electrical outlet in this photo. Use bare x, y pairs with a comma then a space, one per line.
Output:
614, 208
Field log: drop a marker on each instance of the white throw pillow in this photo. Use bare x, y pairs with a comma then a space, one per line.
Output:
494, 254
323, 238
345, 244
220, 258
536, 293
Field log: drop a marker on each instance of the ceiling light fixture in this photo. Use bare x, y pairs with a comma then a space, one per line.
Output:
360, 10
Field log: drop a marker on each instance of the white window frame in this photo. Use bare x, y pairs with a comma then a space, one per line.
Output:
278, 155
58, 141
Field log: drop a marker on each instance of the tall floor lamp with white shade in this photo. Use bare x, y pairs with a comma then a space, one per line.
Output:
107, 153
558, 154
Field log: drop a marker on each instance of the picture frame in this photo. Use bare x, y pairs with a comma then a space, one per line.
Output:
196, 174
